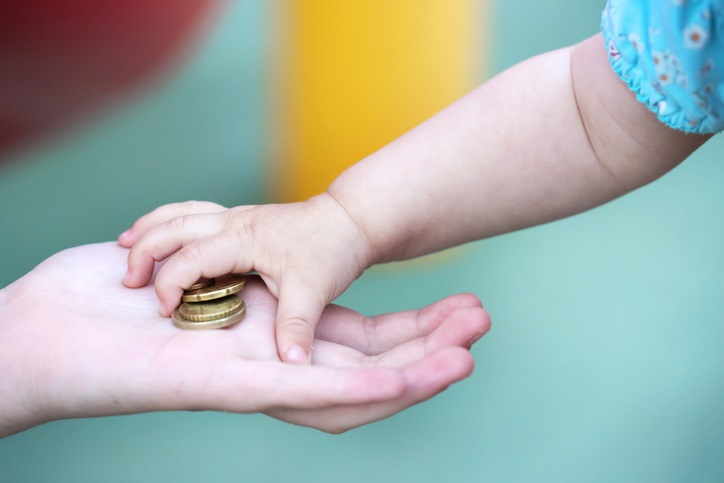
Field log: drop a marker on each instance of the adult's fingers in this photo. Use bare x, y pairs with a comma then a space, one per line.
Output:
461, 328
374, 335
423, 380
244, 386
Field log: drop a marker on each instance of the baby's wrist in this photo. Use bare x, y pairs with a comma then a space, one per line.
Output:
388, 213
354, 233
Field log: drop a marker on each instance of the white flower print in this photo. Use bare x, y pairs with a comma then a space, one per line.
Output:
695, 37
664, 73
635, 40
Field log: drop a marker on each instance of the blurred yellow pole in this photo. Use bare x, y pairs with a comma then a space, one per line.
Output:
356, 74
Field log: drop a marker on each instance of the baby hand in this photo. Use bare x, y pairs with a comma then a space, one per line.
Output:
307, 254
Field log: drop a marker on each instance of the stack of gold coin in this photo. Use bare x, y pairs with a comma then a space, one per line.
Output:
211, 304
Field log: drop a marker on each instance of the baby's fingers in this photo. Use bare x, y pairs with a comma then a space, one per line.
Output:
300, 307
163, 214
209, 257
161, 241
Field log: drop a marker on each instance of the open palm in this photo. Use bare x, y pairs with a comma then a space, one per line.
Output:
75, 342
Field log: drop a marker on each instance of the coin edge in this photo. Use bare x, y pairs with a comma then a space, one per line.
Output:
184, 324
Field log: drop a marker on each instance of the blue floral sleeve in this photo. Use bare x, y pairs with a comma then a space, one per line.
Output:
671, 54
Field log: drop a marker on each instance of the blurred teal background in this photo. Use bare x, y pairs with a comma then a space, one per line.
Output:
604, 362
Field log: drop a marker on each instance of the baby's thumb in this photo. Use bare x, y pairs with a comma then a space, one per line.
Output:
299, 310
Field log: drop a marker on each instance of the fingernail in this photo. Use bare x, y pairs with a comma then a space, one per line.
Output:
125, 233
297, 355
127, 277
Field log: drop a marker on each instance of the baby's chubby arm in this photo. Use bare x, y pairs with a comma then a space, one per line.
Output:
553, 136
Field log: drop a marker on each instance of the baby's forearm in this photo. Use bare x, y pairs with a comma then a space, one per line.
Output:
553, 136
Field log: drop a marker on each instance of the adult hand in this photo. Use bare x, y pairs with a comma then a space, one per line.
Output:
74, 342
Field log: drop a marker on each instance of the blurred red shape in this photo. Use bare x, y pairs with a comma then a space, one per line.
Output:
64, 58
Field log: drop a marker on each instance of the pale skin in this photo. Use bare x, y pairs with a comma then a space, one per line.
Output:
553, 136
74, 342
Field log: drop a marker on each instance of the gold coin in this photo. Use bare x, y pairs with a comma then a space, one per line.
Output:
203, 282
211, 309
220, 288
182, 323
